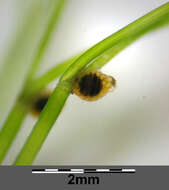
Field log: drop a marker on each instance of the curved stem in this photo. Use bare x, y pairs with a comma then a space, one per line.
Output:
56, 101
41, 82
42, 127
128, 33
11, 127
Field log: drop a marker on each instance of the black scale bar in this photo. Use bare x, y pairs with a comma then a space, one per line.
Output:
37, 170
89, 170
64, 170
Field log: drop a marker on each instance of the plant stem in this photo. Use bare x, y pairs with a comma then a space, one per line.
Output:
40, 83
61, 92
45, 39
128, 33
11, 128
95, 64
44, 124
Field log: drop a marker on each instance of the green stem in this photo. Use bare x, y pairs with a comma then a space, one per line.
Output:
99, 61
45, 40
129, 32
11, 128
41, 82
105, 57
61, 92
42, 127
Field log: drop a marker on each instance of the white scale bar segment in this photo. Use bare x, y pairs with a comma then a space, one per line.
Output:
51, 170
128, 170
102, 170
77, 170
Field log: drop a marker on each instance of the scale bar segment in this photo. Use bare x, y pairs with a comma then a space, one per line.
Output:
124, 170
103, 170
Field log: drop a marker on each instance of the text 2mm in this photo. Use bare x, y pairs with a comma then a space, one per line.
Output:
83, 180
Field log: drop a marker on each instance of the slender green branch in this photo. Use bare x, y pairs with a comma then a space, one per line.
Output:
98, 62
61, 92
45, 39
105, 57
41, 82
15, 64
11, 127
20, 109
42, 127
130, 32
